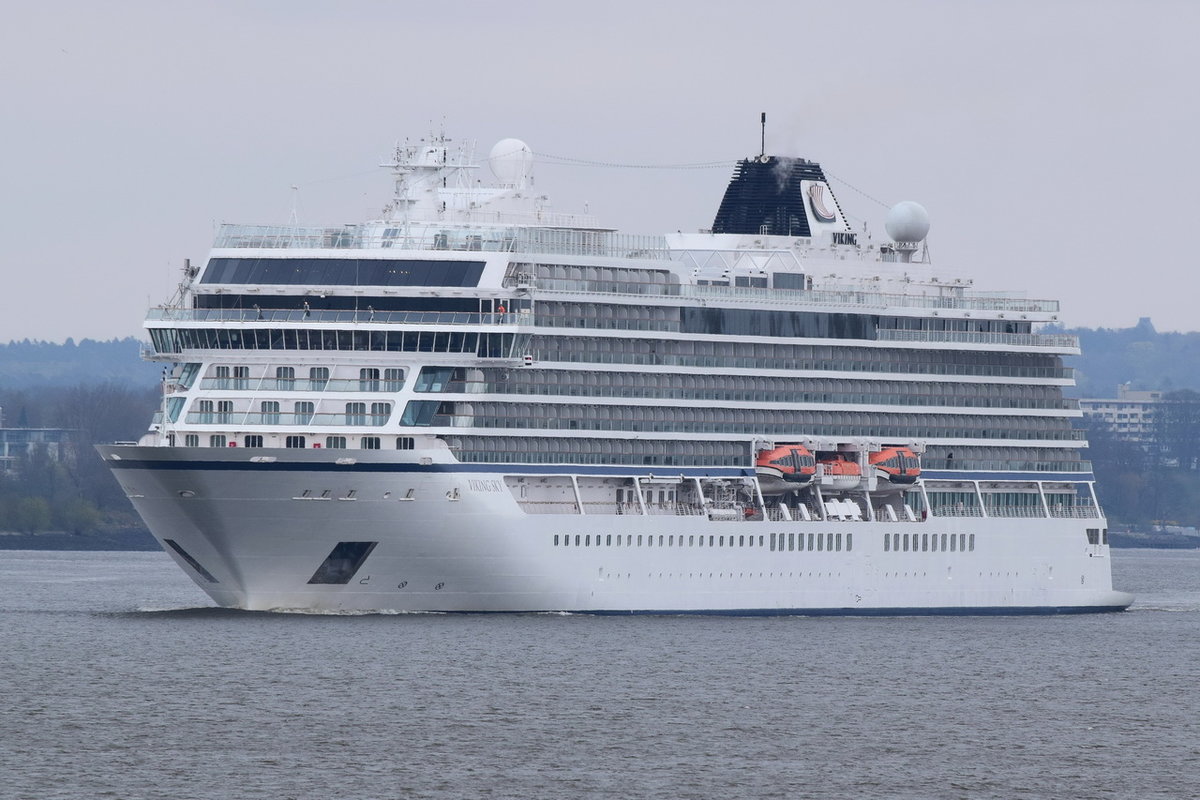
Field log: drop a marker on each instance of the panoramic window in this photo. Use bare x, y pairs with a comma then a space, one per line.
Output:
342, 272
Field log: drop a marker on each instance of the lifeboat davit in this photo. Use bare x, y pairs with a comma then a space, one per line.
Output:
839, 473
784, 468
898, 465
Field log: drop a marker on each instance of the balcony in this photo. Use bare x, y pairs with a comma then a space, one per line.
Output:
255, 419
1056, 341
241, 315
532, 238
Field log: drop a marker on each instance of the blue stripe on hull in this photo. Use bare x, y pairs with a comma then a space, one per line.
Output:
544, 469
366, 466
964, 611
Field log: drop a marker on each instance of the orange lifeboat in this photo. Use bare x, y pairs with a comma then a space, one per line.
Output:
840, 473
784, 468
897, 465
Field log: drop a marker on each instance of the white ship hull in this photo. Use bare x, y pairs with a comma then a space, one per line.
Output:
459, 407
463, 543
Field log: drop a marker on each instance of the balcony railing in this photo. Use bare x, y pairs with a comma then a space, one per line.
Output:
1060, 341
258, 419
472, 238
829, 297
301, 385
240, 315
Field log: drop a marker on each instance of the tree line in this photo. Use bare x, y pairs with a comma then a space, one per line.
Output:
75, 492
1153, 477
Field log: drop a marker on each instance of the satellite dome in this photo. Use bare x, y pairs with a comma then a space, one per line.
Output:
907, 222
511, 161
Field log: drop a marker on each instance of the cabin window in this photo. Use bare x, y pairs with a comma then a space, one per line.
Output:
393, 379
356, 413
304, 411
368, 379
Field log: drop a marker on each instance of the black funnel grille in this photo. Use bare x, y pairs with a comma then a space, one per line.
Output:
765, 197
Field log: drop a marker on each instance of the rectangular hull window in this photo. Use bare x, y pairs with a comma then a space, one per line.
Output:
343, 562
193, 563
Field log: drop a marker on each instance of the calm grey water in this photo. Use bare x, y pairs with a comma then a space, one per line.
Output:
119, 680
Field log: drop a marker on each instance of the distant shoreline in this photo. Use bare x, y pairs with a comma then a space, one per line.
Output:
1153, 539
137, 539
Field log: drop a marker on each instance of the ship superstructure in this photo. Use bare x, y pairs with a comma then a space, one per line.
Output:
477, 403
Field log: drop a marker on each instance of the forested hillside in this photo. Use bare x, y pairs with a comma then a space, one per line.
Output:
29, 364
99, 392
1139, 356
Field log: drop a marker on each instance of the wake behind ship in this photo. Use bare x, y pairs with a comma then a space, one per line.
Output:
476, 403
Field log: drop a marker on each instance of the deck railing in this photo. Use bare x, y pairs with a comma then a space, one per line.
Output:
470, 238
240, 315
828, 297
1060, 341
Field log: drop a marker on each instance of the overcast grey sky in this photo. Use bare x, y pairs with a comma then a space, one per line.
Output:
1053, 143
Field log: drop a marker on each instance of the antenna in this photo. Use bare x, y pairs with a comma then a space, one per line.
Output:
764, 134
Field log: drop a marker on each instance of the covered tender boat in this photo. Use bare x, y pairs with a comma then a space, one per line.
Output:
784, 468
840, 472
898, 465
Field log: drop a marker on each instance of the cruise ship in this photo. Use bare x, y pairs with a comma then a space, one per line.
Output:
476, 403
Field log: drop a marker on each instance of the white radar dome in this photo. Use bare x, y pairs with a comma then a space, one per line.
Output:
511, 162
907, 222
